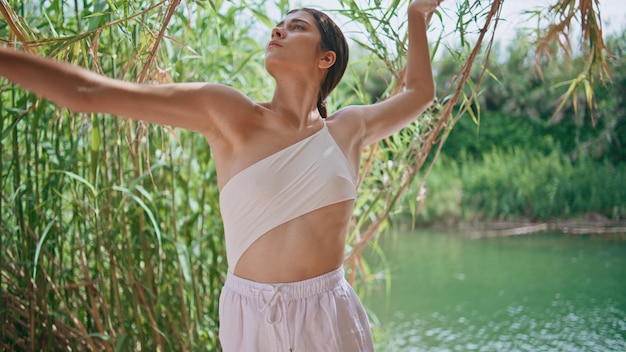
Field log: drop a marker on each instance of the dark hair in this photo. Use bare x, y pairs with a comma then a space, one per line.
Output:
333, 40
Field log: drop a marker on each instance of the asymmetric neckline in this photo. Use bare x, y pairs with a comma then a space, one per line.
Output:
280, 151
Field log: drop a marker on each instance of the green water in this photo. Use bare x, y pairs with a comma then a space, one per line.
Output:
540, 292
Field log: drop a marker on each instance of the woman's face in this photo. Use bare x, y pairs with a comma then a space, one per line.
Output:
295, 43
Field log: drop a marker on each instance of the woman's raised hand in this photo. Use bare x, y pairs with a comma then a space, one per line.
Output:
425, 6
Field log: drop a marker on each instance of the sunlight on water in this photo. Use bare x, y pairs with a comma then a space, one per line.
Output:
531, 293
598, 330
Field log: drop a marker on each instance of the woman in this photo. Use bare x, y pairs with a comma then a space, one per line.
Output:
286, 172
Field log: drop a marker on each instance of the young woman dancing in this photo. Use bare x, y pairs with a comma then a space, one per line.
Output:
287, 172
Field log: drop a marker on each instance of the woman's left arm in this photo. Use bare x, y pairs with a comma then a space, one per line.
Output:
388, 117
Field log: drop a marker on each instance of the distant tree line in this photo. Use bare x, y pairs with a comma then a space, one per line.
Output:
519, 106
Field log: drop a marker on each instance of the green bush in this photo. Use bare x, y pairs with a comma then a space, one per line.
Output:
515, 185
438, 200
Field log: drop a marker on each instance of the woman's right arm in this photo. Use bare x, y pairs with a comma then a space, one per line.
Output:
187, 105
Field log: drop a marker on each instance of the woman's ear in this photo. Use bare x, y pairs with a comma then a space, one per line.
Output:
328, 59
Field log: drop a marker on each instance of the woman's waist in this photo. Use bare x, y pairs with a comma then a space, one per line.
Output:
289, 262
290, 290
310, 245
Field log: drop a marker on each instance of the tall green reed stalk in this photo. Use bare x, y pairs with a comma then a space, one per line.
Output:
111, 230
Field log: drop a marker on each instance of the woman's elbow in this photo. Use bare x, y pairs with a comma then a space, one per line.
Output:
429, 91
75, 102
429, 96
72, 96
86, 99
423, 96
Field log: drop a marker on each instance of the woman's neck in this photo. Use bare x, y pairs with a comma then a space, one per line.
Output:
295, 100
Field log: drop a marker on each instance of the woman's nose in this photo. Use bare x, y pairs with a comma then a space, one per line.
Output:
277, 33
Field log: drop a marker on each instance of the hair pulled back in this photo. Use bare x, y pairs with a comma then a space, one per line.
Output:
333, 40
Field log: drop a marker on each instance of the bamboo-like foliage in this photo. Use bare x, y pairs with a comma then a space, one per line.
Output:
561, 19
111, 235
115, 240
394, 164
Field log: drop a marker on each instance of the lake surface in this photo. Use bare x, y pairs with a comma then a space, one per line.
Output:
539, 292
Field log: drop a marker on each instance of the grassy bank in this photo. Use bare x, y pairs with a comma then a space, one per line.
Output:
517, 185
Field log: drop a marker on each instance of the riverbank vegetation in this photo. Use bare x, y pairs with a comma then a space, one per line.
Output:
527, 160
110, 231
519, 185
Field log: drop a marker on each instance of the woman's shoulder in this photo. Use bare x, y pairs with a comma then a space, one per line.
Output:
349, 118
230, 111
227, 105
346, 125
223, 94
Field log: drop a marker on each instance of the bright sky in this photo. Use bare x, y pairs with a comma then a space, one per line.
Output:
613, 14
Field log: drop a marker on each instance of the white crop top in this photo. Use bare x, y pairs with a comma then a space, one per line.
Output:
303, 177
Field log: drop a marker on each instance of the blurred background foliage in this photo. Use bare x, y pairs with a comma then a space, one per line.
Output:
111, 235
527, 160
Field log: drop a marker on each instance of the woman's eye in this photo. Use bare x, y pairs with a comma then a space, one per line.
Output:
297, 26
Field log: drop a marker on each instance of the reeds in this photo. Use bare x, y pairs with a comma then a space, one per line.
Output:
110, 232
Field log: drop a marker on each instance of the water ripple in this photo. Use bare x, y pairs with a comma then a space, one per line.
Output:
600, 329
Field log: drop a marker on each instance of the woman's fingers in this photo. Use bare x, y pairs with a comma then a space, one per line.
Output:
426, 6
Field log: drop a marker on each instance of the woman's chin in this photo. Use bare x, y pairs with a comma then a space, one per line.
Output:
273, 65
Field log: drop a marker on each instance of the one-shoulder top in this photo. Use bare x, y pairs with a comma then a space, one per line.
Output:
305, 176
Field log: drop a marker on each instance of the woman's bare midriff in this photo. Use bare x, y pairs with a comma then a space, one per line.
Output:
308, 246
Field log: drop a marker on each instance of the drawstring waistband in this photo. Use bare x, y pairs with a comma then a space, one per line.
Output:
272, 298
289, 290
274, 307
